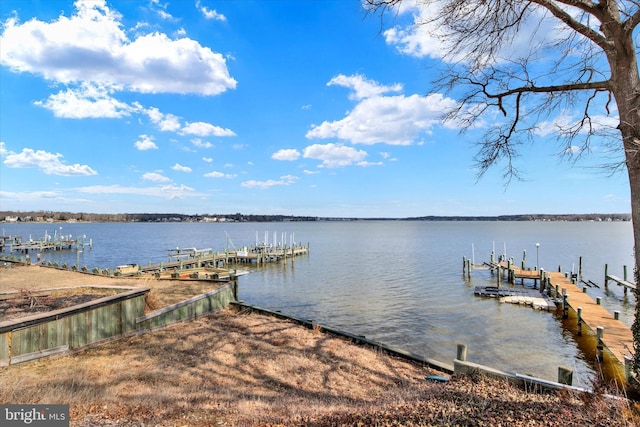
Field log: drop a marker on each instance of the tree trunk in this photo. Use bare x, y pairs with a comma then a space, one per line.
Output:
626, 90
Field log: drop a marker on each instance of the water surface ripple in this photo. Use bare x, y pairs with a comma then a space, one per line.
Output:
397, 282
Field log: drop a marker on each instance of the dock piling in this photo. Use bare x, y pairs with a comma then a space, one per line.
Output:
579, 321
628, 367
565, 375
580, 268
461, 353
599, 343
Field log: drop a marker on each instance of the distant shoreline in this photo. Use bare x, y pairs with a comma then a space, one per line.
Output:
67, 217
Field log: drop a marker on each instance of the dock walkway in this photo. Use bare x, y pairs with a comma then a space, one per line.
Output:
609, 331
197, 259
616, 337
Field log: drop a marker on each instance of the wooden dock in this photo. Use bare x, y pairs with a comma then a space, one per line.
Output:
192, 259
626, 284
12, 244
609, 332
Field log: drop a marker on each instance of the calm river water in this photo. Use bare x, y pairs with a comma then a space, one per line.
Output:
397, 282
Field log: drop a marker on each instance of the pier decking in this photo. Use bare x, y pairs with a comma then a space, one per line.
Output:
610, 333
615, 335
10, 244
195, 259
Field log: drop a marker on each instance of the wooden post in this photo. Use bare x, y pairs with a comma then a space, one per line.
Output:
469, 269
580, 269
547, 285
565, 375
565, 305
524, 258
606, 276
599, 344
542, 280
579, 321
509, 270
492, 257
461, 354
584, 289
598, 301
625, 279
499, 274
628, 366
616, 315
464, 265
557, 291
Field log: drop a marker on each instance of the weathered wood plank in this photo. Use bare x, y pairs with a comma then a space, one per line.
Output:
621, 282
617, 336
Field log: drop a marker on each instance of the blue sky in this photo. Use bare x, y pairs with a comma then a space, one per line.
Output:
258, 107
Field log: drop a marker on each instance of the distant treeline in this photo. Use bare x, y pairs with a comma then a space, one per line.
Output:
530, 217
46, 216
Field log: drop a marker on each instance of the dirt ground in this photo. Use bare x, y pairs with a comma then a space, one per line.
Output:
246, 369
31, 278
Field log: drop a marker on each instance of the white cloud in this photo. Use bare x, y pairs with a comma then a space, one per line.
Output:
155, 177
420, 35
566, 120
87, 101
574, 149
161, 10
172, 123
91, 46
48, 163
205, 129
365, 164
164, 191
334, 155
145, 143
165, 122
362, 88
178, 167
216, 174
394, 120
210, 13
201, 144
31, 196
284, 180
286, 154
3, 149
207, 159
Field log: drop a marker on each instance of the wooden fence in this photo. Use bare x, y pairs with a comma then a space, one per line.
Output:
106, 319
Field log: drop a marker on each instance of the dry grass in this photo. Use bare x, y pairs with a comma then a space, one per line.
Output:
252, 370
165, 292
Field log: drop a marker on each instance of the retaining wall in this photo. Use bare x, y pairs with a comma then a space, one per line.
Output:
106, 319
